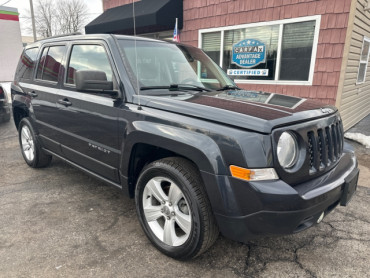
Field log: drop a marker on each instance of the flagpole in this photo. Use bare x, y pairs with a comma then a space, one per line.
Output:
176, 32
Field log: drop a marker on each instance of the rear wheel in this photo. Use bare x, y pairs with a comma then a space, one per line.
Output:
30, 146
174, 209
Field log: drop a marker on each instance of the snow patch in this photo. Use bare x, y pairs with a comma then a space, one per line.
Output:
358, 137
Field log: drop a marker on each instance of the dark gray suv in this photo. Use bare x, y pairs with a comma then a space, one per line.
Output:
165, 124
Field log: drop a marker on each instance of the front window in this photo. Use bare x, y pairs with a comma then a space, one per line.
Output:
88, 57
159, 64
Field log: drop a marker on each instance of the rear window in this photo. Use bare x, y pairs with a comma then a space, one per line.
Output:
27, 63
50, 63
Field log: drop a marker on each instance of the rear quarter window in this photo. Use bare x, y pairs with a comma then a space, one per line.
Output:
27, 63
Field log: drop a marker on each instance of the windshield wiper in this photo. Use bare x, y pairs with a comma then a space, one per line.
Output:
154, 88
190, 86
176, 87
229, 87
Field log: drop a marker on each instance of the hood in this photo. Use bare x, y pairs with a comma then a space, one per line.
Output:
252, 110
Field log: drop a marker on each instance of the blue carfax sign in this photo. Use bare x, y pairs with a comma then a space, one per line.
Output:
249, 53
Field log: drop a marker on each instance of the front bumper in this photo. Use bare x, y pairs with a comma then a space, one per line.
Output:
246, 210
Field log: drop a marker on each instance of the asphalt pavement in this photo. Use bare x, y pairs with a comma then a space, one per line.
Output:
59, 222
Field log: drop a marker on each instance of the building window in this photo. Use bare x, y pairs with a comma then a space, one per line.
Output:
267, 34
277, 52
364, 58
296, 50
211, 45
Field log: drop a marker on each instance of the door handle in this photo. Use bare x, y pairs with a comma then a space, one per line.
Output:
65, 102
33, 94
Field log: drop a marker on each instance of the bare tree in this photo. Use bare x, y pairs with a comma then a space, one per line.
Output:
45, 18
72, 15
62, 17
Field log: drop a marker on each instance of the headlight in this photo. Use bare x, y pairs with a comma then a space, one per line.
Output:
287, 150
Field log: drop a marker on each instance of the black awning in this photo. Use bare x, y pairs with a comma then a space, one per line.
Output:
151, 16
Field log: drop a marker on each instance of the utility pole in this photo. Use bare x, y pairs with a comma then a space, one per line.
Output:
33, 21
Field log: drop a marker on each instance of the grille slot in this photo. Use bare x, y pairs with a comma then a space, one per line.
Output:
325, 146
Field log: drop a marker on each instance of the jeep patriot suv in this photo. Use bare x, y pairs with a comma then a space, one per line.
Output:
165, 124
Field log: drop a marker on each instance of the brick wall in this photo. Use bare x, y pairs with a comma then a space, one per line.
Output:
202, 14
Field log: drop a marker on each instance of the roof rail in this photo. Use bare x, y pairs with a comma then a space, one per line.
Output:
59, 36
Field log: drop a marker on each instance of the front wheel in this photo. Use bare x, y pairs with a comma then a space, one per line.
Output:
30, 146
173, 208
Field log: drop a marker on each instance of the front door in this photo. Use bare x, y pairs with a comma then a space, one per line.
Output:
89, 120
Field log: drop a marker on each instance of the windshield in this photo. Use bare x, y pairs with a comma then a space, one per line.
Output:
170, 66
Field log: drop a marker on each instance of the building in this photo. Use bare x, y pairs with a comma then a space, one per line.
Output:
11, 42
27, 40
315, 49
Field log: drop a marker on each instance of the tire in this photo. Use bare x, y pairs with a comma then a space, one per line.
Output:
173, 208
31, 149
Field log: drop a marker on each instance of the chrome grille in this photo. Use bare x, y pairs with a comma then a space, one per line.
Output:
325, 146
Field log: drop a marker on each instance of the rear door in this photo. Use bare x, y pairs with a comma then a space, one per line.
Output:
89, 121
43, 86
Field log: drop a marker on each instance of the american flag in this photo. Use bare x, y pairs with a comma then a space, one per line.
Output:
176, 36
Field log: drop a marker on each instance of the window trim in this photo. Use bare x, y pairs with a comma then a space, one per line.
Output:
366, 39
317, 18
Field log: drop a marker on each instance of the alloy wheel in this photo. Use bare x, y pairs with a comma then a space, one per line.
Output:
167, 211
28, 146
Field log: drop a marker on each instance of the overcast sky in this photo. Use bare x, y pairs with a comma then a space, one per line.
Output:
95, 9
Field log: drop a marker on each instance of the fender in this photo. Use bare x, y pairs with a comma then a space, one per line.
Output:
199, 148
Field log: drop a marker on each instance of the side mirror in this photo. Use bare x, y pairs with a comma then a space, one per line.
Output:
94, 81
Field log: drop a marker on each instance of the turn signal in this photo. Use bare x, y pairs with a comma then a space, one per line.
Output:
253, 174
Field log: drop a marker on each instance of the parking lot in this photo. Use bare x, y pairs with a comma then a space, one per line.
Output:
58, 221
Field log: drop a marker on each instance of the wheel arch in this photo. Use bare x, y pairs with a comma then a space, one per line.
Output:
19, 112
155, 141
